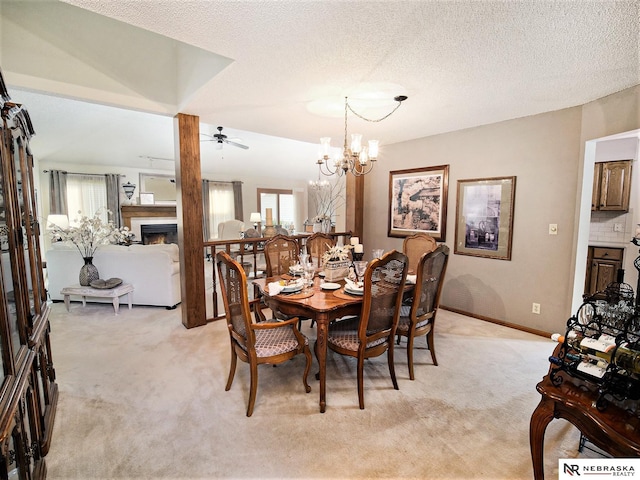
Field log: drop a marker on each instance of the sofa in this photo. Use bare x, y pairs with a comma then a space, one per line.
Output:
153, 270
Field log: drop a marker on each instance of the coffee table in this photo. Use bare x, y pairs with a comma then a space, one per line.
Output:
114, 293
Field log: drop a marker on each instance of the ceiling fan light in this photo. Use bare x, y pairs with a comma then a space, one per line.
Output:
373, 149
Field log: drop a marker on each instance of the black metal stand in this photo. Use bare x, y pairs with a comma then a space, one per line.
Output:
636, 263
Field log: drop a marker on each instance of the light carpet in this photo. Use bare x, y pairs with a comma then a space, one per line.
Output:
143, 397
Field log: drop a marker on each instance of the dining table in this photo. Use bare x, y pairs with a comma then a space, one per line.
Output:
323, 302
316, 303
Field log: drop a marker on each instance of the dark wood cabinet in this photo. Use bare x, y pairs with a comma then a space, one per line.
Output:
28, 391
603, 264
611, 186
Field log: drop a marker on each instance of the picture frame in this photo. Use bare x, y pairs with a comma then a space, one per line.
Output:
484, 217
418, 202
146, 198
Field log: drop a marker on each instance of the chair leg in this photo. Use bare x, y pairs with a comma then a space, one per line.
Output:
432, 347
361, 382
410, 356
232, 369
307, 369
392, 368
252, 388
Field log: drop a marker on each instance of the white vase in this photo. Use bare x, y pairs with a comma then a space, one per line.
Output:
326, 226
317, 227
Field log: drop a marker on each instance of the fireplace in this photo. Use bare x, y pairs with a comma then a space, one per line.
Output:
159, 233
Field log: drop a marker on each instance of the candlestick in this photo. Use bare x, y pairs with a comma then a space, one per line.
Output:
354, 241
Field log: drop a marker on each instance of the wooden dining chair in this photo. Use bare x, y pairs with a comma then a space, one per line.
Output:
414, 246
372, 333
255, 343
317, 245
280, 253
419, 318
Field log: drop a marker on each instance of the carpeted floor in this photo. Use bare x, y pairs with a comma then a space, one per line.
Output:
141, 397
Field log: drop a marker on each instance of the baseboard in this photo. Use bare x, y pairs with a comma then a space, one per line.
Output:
515, 326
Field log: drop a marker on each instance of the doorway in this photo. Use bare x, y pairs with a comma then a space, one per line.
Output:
584, 219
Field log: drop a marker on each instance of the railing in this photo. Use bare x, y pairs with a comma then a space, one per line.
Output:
249, 252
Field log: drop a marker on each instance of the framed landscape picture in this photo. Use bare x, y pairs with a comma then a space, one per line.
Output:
418, 201
484, 217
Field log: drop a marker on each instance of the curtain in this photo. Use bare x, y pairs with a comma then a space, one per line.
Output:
206, 211
113, 197
221, 205
58, 192
237, 200
86, 196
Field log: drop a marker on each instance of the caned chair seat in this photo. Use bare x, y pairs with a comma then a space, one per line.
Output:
276, 341
404, 323
344, 334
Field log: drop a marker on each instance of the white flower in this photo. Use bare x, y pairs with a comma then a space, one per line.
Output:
90, 233
336, 253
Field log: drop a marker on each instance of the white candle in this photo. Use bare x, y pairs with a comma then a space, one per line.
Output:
638, 231
358, 248
355, 240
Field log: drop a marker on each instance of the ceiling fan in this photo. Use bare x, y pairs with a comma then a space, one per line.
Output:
221, 138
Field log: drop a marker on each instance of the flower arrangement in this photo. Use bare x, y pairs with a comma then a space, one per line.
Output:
338, 253
91, 232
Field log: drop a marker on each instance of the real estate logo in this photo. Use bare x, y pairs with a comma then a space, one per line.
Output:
598, 468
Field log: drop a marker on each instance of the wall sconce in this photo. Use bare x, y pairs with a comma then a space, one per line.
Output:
129, 188
255, 219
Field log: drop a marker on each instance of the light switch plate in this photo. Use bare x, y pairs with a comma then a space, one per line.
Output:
553, 229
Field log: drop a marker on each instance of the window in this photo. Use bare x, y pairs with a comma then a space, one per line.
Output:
281, 204
86, 194
221, 205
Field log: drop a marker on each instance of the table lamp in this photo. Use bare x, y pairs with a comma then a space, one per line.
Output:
255, 219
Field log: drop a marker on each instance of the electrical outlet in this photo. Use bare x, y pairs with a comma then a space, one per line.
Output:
535, 308
617, 227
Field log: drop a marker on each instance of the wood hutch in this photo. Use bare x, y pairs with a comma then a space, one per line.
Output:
28, 392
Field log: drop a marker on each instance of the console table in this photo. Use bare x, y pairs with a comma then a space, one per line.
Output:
113, 293
614, 430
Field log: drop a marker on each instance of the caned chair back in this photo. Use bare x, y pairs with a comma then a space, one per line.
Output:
429, 279
384, 282
317, 245
233, 284
414, 246
280, 252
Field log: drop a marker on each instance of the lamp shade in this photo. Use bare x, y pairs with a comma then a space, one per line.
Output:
60, 221
255, 217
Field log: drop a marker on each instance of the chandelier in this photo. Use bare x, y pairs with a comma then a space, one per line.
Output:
354, 158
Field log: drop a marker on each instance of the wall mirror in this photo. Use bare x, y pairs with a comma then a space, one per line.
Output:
163, 187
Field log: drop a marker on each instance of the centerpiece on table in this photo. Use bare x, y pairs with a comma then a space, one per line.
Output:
336, 262
87, 235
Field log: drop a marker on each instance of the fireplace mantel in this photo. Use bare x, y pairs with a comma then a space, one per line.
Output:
130, 211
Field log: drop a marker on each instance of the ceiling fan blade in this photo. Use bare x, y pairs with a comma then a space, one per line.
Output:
236, 144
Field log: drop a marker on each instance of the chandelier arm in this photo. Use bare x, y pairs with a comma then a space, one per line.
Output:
369, 119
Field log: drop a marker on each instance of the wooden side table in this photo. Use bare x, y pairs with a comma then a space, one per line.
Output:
614, 430
84, 292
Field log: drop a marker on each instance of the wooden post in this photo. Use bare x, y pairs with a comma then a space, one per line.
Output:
355, 205
189, 213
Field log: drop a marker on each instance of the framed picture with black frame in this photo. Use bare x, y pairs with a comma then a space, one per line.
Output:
418, 202
484, 217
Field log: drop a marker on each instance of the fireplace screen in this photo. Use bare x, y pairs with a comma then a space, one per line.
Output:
159, 233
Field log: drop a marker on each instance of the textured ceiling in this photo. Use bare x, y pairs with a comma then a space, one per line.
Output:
461, 64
